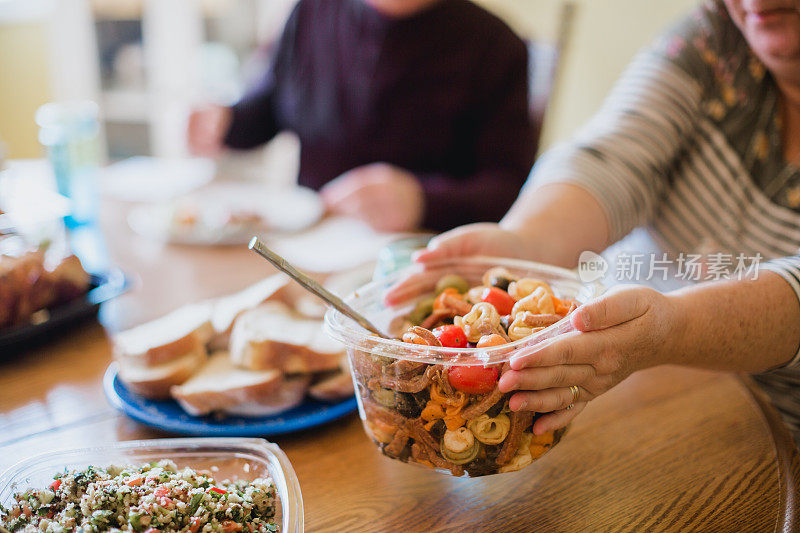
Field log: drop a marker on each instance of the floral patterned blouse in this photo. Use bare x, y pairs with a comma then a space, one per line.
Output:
688, 146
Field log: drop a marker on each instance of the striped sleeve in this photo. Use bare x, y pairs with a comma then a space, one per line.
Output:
789, 269
623, 155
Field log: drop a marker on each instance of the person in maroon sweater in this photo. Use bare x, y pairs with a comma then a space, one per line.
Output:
409, 112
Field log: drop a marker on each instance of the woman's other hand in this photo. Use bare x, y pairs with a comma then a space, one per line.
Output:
473, 239
628, 329
483, 238
551, 224
207, 128
386, 197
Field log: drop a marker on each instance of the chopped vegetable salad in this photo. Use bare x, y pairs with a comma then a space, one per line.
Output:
156, 497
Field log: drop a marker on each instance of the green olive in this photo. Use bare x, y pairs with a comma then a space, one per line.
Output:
421, 311
385, 397
452, 281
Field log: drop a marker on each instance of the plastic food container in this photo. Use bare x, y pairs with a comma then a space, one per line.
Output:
228, 458
401, 388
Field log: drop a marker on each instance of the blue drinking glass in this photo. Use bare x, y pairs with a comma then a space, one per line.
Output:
70, 133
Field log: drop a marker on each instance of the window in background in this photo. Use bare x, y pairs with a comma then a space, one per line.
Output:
123, 88
160, 57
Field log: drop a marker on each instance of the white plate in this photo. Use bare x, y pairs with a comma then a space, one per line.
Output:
205, 214
155, 179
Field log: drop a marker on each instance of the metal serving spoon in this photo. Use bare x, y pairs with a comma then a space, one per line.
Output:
312, 286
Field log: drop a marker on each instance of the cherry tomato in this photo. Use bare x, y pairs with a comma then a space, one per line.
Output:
490, 340
500, 299
451, 336
218, 490
55, 484
473, 379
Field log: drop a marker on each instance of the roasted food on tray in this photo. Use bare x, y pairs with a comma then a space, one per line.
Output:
34, 281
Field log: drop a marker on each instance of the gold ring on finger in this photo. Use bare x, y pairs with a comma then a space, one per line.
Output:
576, 392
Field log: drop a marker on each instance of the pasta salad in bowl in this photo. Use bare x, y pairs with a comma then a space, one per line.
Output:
430, 396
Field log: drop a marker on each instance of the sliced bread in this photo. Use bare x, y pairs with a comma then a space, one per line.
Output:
273, 336
155, 381
333, 388
228, 308
184, 331
220, 386
339, 283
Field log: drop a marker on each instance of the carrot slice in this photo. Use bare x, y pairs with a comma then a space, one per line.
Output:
438, 303
561, 306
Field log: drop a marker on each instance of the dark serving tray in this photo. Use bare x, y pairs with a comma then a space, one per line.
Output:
103, 287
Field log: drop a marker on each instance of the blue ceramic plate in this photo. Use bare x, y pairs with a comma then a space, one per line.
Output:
168, 416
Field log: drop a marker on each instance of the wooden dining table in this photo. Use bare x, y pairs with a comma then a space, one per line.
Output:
669, 449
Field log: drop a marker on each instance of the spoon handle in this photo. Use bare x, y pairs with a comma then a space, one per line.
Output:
312, 286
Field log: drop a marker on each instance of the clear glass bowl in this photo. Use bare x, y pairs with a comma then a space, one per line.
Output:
396, 381
228, 458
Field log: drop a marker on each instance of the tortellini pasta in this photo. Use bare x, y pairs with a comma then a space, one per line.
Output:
523, 456
475, 293
519, 329
490, 430
459, 446
540, 301
483, 319
521, 288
